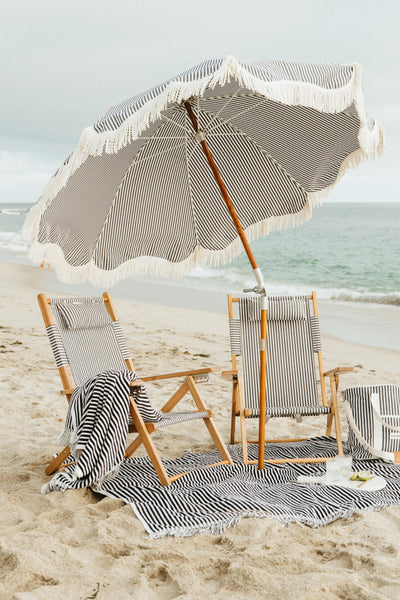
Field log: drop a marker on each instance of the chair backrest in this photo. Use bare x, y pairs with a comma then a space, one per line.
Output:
293, 343
84, 337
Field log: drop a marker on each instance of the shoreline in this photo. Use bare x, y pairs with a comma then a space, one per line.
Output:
373, 325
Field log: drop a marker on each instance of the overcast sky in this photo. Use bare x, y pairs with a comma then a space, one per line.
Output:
63, 64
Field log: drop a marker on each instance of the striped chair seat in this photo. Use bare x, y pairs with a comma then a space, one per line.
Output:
293, 411
180, 417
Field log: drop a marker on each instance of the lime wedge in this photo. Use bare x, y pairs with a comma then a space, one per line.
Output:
364, 475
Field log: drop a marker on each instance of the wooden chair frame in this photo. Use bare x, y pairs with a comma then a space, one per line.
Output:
239, 410
144, 430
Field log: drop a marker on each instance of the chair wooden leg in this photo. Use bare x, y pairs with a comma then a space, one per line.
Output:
148, 444
331, 415
218, 441
335, 408
144, 434
58, 460
243, 436
243, 433
151, 427
329, 424
234, 410
133, 446
172, 402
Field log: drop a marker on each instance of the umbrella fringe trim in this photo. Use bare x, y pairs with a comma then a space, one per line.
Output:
53, 254
91, 143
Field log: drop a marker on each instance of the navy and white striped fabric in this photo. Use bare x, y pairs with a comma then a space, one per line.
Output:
373, 414
280, 133
210, 500
96, 428
293, 338
90, 346
83, 315
96, 348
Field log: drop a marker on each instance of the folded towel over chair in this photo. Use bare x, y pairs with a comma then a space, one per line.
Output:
96, 428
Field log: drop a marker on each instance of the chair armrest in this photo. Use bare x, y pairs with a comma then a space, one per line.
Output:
231, 375
137, 383
182, 374
338, 370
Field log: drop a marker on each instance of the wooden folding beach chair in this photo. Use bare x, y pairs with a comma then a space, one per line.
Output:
86, 339
294, 362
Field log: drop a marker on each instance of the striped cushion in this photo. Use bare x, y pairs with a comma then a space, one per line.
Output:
279, 309
316, 334
179, 417
293, 411
235, 337
116, 325
83, 315
57, 346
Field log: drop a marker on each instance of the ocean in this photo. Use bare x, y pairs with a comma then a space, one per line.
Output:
346, 252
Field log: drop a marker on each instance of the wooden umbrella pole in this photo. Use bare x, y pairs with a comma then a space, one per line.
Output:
253, 262
222, 188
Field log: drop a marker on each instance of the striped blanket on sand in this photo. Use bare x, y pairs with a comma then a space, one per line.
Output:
206, 500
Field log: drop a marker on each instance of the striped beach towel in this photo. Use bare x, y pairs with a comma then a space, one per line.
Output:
96, 428
205, 500
208, 500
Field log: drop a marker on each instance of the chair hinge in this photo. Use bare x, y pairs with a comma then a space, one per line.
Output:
201, 378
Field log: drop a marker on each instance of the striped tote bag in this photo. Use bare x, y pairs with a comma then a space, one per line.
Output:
373, 416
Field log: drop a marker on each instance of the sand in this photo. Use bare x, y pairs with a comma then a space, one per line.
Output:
81, 545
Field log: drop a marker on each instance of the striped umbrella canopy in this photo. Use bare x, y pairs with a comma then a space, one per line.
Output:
138, 194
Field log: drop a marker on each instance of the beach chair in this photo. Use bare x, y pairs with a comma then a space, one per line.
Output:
86, 338
294, 364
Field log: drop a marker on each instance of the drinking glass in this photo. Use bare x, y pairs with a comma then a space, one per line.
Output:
333, 470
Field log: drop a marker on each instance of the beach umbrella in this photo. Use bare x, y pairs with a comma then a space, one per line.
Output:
190, 171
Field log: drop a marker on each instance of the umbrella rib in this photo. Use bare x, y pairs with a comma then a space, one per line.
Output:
224, 106
187, 136
189, 157
166, 137
137, 162
239, 114
241, 133
174, 122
